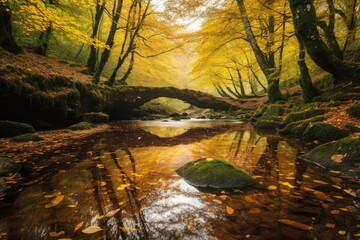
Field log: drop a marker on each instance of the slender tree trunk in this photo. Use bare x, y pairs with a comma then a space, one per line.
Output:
329, 31
129, 70
265, 64
44, 41
7, 40
351, 26
110, 40
242, 89
309, 91
91, 64
305, 20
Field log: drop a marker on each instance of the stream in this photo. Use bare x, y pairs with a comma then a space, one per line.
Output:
124, 182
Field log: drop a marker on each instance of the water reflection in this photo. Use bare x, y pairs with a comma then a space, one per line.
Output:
132, 171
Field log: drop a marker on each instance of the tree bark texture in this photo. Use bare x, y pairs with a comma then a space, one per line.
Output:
7, 40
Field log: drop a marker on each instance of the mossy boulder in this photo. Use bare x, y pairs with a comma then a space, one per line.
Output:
324, 132
265, 123
11, 129
7, 165
81, 126
27, 137
274, 110
95, 117
302, 115
342, 155
214, 174
354, 111
298, 128
40, 125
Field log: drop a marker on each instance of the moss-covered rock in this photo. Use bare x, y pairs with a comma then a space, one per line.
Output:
354, 111
95, 117
27, 137
40, 124
81, 126
7, 165
306, 114
215, 174
11, 129
342, 155
352, 127
298, 128
267, 123
324, 132
274, 110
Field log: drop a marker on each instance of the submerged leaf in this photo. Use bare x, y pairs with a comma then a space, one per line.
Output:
112, 213
123, 186
55, 201
322, 196
229, 210
77, 227
272, 187
92, 229
295, 224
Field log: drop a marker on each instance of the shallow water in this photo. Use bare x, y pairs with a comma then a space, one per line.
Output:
132, 169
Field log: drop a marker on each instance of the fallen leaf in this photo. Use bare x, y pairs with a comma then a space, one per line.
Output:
320, 182
65, 239
124, 229
336, 186
341, 232
100, 166
322, 196
112, 213
335, 212
350, 192
56, 234
123, 186
338, 197
92, 229
272, 187
102, 184
78, 226
334, 172
330, 225
229, 210
55, 201
288, 184
295, 224
72, 205
337, 158
356, 235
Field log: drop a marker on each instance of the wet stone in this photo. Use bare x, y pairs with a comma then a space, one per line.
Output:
214, 174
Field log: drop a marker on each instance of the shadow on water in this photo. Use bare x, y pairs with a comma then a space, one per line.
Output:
125, 183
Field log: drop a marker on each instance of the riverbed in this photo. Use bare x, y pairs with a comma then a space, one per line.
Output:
122, 184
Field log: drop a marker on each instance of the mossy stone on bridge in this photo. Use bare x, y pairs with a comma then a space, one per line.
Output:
214, 174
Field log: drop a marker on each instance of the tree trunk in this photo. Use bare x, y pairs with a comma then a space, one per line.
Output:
7, 40
44, 41
91, 64
305, 20
309, 91
351, 26
110, 41
265, 64
329, 31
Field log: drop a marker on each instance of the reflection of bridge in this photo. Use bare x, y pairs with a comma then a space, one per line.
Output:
129, 97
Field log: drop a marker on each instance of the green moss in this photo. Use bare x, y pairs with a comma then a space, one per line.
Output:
95, 117
308, 113
260, 111
342, 155
354, 111
27, 137
11, 129
214, 173
274, 110
298, 128
267, 124
81, 126
324, 132
352, 128
40, 125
